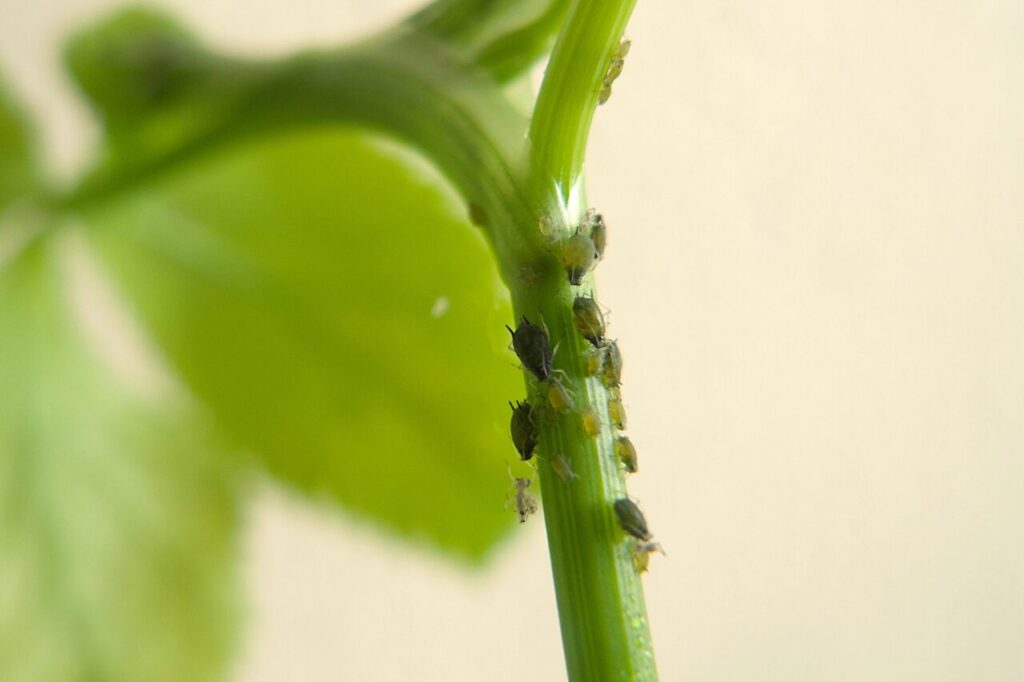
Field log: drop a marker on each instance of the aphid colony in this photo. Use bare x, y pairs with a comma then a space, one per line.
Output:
614, 70
532, 345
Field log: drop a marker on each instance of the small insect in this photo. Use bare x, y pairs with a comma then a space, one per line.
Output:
533, 347
523, 429
560, 465
611, 365
588, 320
578, 256
598, 231
593, 363
632, 519
614, 70
477, 215
626, 453
559, 397
526, 504
591, 424
617, 413
642, 554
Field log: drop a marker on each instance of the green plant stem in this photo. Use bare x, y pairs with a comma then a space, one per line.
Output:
568, 96
416, 88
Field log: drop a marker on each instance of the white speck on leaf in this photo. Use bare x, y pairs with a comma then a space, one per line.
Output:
440, 307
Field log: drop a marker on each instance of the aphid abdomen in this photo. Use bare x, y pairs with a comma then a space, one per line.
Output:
523, 429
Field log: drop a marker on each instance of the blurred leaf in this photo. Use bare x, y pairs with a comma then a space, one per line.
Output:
16, 170
340, 319
134, 63
117, 545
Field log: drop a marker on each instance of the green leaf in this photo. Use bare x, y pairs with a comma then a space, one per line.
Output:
16, 170
118, 540
341, 318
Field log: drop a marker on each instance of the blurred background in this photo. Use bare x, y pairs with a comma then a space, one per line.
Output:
816, 275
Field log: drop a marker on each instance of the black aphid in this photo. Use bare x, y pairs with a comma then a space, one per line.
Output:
632, 519
533, 347
588, 320
523, 429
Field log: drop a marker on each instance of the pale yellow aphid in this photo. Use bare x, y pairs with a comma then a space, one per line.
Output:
617, 413
642, 551
614, 70
593, 364
560, 465
559, 397
591, 424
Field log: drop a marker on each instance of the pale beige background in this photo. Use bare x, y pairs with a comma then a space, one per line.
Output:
816, 272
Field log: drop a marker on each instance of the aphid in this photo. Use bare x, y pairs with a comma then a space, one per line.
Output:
617, 413
578, 256
533, 347
626, 452
593, 363
526, 505
598, 232
477, 215
561, 466
632, 519
588, 320
642, 554
591, 424
524, 430
559, 397
614, 70
611, 365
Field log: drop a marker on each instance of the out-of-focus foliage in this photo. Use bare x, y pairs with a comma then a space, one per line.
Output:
337, 318
332, 316
15, 165
117, 549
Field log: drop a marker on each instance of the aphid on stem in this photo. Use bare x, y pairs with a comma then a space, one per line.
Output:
631, 519
598, 231
578, 256
559, 397
523, 429
563, 468
625, 451
588, 319
614, 70
533, 347
611, 365
642, 554
591, 424
617, 412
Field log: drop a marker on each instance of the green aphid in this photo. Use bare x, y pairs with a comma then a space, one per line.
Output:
523, 429
611, 365
593, 363
626, 452
588, 320
598, 233
591, 424
533, 347
578, 256
563, 468
632, 519
559, 397
617, 413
